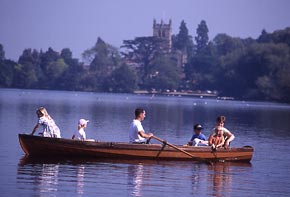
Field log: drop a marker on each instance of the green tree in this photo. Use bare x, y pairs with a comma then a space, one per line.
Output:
102, 57
142, 51
7, 73
202, 69
164, 75
274, 83
24, 76
122, 80
46, 58
202, 38
257, 72
104, 60
53, 68
281, 36
28, 69
183, 41
56, 69
6, 70
73, 76
264, 37
225, 44
2, 53
283, 82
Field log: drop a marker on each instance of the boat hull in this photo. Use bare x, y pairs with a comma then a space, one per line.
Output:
36, 146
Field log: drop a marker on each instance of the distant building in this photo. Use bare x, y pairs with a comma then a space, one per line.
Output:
163, 31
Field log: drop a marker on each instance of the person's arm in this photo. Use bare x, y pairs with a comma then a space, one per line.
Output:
230, 137
144, 135
75, 135
84, 136
35, 128
203, 140
210, 140
192, 138
203, 137
190, 142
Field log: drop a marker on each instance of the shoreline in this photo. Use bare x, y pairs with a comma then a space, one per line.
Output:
185, 94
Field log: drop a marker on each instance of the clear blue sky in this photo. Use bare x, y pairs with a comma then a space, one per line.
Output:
77, 24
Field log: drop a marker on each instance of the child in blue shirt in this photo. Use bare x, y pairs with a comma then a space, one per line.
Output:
198, 139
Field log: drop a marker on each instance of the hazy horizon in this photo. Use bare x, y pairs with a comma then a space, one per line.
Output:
77, 24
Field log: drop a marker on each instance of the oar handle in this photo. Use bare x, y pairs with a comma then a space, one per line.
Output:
161, 140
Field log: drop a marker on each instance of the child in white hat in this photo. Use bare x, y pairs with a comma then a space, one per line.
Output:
80, 134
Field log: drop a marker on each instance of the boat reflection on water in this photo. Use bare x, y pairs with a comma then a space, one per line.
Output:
221, 176
48, 178
50, 175
217, 179
197, 176
80, 179
45, 173
44, 176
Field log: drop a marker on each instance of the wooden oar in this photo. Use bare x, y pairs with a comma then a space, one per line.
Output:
179, 149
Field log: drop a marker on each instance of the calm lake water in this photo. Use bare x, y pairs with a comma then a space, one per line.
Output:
265, 126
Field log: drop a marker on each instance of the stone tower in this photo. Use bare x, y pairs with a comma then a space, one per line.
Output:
164, 32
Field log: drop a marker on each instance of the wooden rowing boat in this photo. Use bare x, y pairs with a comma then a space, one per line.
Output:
36, 146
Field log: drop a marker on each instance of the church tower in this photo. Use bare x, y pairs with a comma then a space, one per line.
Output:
164, 32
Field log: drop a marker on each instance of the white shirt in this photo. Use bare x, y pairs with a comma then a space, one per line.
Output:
135, 127
80, 134
50, 129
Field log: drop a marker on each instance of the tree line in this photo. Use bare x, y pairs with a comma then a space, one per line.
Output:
256, 69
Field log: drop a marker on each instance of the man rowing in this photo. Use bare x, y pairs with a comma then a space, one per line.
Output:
137, 134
